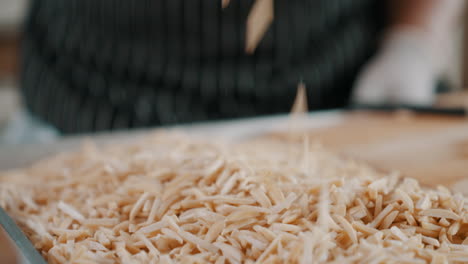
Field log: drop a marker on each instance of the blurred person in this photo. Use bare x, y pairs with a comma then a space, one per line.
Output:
412, 55
101, 65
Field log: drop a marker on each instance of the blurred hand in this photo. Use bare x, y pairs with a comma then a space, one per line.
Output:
403, 72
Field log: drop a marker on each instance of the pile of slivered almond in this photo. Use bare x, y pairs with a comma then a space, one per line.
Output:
168, 198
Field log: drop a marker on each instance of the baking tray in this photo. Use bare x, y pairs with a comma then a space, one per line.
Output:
24, 246
17, 156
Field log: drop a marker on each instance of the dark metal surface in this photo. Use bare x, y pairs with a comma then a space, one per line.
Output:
25, 247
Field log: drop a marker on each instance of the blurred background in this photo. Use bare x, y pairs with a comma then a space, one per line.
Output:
12, 13
13, 119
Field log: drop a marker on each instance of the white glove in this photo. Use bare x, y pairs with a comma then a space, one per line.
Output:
404, 71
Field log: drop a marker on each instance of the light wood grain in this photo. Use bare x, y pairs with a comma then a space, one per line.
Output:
7, 251
433, 149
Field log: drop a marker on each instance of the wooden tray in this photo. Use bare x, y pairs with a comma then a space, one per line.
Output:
433, 149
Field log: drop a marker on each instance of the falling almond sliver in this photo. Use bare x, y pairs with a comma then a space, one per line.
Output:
300, 103
298, 112
225, 3
258, 21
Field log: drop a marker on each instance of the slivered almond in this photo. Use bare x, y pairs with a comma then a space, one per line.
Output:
440, 213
